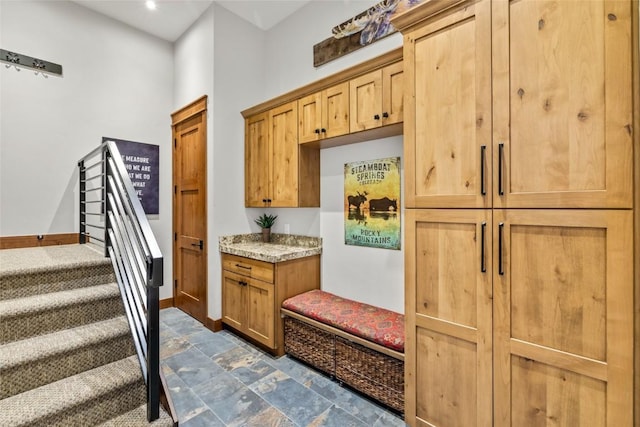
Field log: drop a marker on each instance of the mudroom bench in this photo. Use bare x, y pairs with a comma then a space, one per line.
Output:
358, 344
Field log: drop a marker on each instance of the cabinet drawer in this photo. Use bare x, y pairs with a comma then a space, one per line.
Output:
248, 267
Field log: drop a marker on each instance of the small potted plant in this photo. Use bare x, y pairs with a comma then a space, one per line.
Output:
265, 222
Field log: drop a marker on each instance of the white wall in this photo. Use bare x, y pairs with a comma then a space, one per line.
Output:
117, 82
370, 275
238, 82
193, 64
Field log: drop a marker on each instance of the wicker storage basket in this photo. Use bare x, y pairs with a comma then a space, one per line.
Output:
310, 344
370, 372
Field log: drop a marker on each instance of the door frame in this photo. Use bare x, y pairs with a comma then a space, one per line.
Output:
188, 111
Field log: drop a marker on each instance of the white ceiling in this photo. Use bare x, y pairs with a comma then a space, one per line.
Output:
173, 17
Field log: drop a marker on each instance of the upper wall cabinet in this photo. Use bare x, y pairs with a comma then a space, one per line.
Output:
256, 160
324, 114
278, 172
377, 98
448, 121
562, 104
283, 136
504, 112
326, 108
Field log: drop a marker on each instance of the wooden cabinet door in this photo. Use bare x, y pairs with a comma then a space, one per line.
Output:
562, 104
365, 94
260, 312
447, 124
256, 160
233, 300
283, 167
563, 316
392, 93
324, 114
448, 309
310, 118
335, 111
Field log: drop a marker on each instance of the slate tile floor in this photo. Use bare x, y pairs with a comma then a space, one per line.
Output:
217, 379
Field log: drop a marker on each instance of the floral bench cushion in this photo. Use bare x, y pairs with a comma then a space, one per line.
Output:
375, 324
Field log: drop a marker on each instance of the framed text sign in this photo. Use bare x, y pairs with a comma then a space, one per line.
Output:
372, 203
143, 163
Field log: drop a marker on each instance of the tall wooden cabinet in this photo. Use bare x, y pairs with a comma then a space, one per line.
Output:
519, 266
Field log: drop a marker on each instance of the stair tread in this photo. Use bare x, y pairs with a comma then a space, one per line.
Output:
47, 258
60, 342
138, 417
20, 306
45, 401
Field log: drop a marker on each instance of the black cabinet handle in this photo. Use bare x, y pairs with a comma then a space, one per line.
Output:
483, 159
243, 266
500, 238
385, 115
483, 262
317, 131
376, 117
500, 161
201, 244
323, 130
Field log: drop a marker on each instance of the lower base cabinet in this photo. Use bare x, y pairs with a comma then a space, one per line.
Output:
253, 292
519, 317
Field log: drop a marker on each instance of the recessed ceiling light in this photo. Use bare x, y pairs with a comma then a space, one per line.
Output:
151, 5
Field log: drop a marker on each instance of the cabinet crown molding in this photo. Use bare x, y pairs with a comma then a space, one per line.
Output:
425, 11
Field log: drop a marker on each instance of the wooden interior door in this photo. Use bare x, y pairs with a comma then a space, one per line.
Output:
562, 104
190, 209
448, 309
447, 140
283, 167
563, 318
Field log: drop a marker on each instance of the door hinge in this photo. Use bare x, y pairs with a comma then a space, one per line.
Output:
175, 283
175, 189
175, 143
175, 237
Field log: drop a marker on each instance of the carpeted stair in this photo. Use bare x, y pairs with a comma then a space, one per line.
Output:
66, 353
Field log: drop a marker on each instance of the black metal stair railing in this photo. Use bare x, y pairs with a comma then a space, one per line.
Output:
112, 216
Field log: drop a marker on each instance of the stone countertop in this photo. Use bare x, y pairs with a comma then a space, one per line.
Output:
283, 247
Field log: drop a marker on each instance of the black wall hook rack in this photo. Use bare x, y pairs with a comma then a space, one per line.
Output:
25, 61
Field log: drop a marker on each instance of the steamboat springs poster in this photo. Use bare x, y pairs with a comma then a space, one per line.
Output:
372, 203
